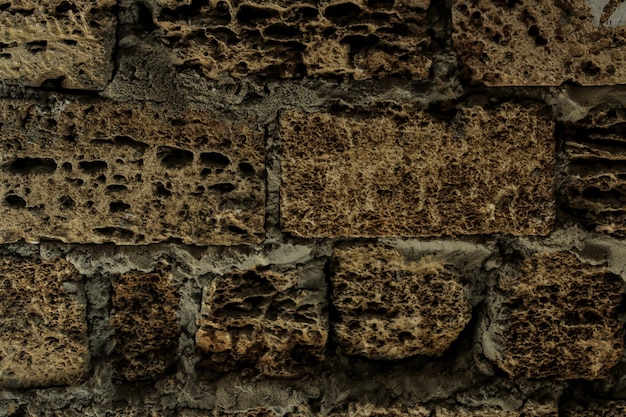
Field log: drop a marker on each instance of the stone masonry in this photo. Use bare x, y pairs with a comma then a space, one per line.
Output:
313, 208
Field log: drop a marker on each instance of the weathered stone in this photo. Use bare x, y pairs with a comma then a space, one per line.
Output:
43, 326
97, 171
390, 309
540, 43
145, 323
595, 409
299, 411
369, 410
373, 174
284, 39
265, 320
555, 317
596, 181
530, 409
68, 42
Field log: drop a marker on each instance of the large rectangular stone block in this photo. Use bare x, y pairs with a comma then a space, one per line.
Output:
145, 306
409, 173
540, 42
555, 317
390, 308
265, 320
68, 42
596, 171
43, 324
286, 39
96, 171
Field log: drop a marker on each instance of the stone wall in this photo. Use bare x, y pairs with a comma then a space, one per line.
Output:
342, 208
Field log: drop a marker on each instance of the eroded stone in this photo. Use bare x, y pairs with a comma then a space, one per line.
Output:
43, 324
145, 323
389, 308
98, 171
556, 317
287, 39
599, 408
68, 42
540, 43
596, 182
408, 174
265, 320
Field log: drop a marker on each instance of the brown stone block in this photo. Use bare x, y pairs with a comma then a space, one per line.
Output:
530, 409
69, 42
94, 172
43, 324
409, 174
602, 408
145, 323
596, 182
556, 317
299, 411
540, 42
388, 308
264, 320
285, 39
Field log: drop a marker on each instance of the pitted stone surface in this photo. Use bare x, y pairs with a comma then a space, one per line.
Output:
276, 38
97, 171
389, 308
408, 174
263, 320
67, 42
145, 322
598, 408
530, 409
557, 317
596, 184
43, 324
540, 42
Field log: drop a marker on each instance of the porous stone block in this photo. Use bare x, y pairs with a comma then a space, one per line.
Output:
98, 171
598, 408
530, 409
298, 411
263, 320
540, 42
555, 317
145, 323
285, 39
369, 410
407, 173
389, 308
43, 324
596, 171
67, 42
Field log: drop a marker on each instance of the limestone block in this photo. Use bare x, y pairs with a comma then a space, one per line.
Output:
145, 323
409, 174
556, 317
43, 325
596, 182
530, 409
601, 408
264, 320
69, 42
97, 171
299, 411
369, 410
284, 39
391, 309
540, 42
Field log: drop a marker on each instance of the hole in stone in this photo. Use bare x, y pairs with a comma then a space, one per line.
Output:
67, 202
282, 31
70, 42
67, 166
128, 141
27, 166
93, 167
590, 68
221, 13
15, 201
174, 157
404, 336
64, 7
118, 232
247, 170
307, 13
115, 188
533, 30
117, 206
381, 3
144, 17
161, 190
224, 187
237, 230
214, 159
342, 12
249, 14
541, 41
37, 46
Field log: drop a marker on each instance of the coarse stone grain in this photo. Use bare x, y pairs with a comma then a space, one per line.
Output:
66, 42
597, 408
557, 317
531, 43
145, 322
264, 320
407, 173
596, 170
530, 409
388, 308
91, 171
43, 324
297, 411
284, 39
